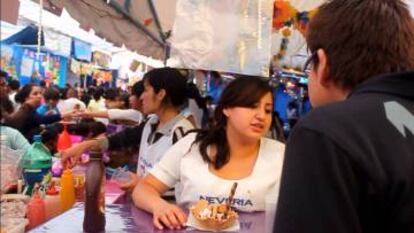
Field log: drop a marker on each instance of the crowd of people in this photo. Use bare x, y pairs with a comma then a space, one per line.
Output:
348, 165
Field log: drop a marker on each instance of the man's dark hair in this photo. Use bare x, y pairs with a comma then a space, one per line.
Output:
51, 94
111, 94
363, 38
4, 74
14, 84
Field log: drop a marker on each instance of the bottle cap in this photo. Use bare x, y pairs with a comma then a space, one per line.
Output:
37, 138
52, 189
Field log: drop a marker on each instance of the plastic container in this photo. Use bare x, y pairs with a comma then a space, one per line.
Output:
36, 162
57, 167
67, 191
79, 182
120, 175
95, 194
52, 202
75, 139
38, 156
64, 140
35, 211
9, 165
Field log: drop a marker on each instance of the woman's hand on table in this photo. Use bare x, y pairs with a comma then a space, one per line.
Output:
166, 214
131, 183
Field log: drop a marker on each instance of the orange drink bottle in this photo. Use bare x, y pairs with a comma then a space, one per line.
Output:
67, 191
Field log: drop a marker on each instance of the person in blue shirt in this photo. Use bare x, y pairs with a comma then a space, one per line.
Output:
51, 96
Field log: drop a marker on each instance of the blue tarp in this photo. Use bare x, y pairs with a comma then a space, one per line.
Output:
27, 36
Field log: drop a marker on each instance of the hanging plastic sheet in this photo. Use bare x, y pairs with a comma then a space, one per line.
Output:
231, 36
57, 42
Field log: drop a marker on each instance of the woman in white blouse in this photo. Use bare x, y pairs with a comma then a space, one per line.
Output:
205, 164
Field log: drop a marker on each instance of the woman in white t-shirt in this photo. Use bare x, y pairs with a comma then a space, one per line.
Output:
205, 164
164, 94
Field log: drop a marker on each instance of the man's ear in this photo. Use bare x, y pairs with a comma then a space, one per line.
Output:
226, 112
161, 94
322, 71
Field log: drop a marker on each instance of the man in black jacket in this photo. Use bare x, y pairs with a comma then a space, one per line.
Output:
349, 164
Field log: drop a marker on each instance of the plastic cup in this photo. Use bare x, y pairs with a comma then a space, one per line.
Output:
270, 211
120, 175
79, 180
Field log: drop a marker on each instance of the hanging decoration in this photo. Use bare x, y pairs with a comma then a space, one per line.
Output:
80, 68
287, 18
6, 60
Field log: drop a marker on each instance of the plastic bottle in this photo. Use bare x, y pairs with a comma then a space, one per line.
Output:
79, 182
64, 140
52, 202
36, 162
67, 191
38, 156
35, 210
94, 220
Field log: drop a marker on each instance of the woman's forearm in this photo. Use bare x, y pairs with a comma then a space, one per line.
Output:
101, 114
146, 197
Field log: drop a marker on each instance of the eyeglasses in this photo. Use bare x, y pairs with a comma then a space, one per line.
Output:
309, 63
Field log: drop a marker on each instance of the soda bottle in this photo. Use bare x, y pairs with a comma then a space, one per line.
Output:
94, 219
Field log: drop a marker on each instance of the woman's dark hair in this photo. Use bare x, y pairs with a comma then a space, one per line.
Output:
51, 94
125, 100
6, 106
111, 94
98, 93
242, 92
137, 88
171, 81
24, 93
49, 134
14, 84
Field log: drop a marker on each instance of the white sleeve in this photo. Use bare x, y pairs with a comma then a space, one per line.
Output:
125, 114
167, 170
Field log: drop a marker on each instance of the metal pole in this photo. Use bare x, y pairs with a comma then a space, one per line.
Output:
156, 19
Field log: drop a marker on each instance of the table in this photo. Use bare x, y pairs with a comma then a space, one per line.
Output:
113, 194
127, 218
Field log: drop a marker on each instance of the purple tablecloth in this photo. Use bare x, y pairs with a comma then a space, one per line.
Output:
129, 219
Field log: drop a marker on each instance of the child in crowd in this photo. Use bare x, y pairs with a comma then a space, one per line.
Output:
51, 96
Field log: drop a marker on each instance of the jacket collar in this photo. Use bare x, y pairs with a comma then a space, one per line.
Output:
401, 84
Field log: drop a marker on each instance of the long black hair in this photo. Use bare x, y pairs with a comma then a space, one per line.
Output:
24, 93
242, 92
172, 81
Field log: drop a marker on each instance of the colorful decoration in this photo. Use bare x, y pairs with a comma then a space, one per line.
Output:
286, 18
6, 60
